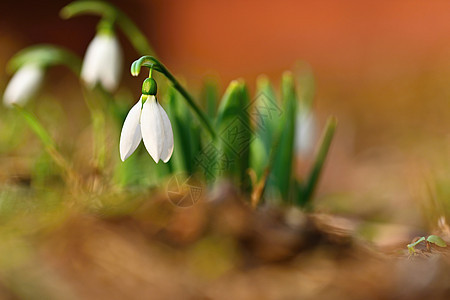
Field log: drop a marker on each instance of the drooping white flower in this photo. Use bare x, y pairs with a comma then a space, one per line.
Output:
305, 132
103, 62
23, 85
150, 123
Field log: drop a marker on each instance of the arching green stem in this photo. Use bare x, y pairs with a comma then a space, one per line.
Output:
112, 13
48, 142
152, 62
45, 56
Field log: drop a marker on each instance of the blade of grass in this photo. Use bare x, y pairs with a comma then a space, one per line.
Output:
48, 142
306, 191
233, 126
185, 134
281, 177
211, 96
245, 138
267, 117
267, 112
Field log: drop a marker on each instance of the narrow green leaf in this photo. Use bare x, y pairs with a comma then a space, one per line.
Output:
48, 142
259, 157
36, 126
267, 112
267, 116
244, 140
284, 158
233, 127
211, 97
181, 120
305, 194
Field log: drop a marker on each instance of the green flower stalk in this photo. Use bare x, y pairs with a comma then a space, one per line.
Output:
102, 65
29, 66
103, 59
114, 15
154, 64
48, 142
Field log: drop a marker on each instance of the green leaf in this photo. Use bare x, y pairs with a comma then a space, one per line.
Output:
438, 241
259, 157
186, 134
211, 97
47, 141
267, 116
233, 127
305, 193
245, 138
284, 157
267, 112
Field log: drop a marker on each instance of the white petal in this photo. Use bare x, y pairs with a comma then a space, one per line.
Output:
92, 61
130, 137
103, 62
168, 136
112, 57
23, 85
152, 128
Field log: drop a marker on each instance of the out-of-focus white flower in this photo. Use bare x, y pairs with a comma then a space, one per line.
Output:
305, 133
103, 62
23, 85
148, 122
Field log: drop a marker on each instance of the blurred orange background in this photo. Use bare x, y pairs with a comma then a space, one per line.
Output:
383, 67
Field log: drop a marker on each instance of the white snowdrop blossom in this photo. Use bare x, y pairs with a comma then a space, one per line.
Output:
103, 62
23, 85
305, 133
150, 123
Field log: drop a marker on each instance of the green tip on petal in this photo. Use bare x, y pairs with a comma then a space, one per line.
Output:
106, 27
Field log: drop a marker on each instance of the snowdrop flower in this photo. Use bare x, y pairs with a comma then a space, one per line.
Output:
147, 121
305, 133
103, 61
23, 85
